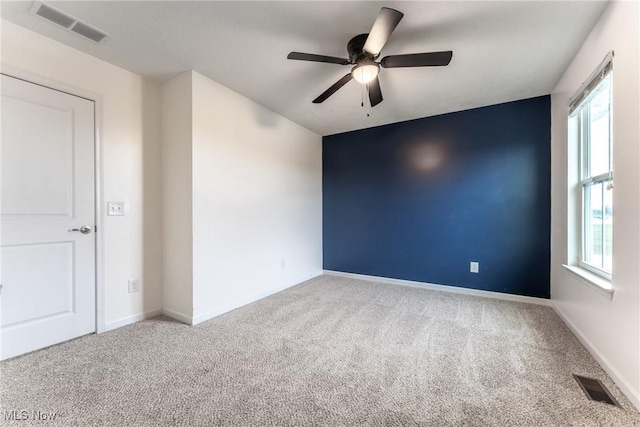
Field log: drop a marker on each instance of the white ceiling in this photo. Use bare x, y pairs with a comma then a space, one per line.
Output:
503, 50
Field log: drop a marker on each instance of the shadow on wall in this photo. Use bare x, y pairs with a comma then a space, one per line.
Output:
151, 199
265, 117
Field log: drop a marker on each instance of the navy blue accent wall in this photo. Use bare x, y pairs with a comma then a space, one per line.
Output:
419, 200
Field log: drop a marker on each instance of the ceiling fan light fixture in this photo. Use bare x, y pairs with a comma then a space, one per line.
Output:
365, 71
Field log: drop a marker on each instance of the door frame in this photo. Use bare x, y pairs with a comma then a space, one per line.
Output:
9, 71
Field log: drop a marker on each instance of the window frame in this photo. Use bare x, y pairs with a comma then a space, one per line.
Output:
579, 109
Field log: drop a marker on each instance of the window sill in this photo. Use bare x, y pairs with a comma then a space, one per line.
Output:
599, 284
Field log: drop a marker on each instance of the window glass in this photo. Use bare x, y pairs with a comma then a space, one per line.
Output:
599, 126
593, 225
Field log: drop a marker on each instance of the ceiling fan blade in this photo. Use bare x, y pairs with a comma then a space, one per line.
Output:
432, 59
317, 58
333, 89
375, 94
386, 22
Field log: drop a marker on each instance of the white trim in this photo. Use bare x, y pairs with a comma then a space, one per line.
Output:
211, 314
624, 387
443, 288
110, 326
99, 196
595, 282
176, 315
597, 272
51, 84
100, 212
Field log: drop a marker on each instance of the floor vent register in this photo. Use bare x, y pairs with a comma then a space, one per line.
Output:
595, 390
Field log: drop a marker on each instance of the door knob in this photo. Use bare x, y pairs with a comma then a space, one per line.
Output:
85, 229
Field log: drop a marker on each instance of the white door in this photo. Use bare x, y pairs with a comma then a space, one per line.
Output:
47, 269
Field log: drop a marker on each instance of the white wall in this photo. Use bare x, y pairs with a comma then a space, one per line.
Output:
257, 185
609, 328
130, 159
177, 201
257, 200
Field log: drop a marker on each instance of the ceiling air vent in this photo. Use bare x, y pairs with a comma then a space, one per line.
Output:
89, 32
67, 21
49, 13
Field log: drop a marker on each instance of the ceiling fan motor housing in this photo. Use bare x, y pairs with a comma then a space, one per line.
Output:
355, 48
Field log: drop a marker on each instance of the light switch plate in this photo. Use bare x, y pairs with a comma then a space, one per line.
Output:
115, 208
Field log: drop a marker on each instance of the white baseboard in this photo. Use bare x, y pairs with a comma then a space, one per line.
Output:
624, 387
131, 319
194, 320
443, 288
214, 313
176, 315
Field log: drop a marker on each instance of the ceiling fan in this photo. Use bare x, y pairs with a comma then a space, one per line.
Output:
363, 51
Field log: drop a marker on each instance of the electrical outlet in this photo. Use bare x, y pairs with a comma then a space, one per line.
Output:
134, 285
474, 267
115, 208
283, 263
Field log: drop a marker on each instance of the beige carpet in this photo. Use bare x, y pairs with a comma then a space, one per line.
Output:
330, 351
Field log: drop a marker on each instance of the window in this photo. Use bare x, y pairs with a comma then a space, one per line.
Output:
590, 115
